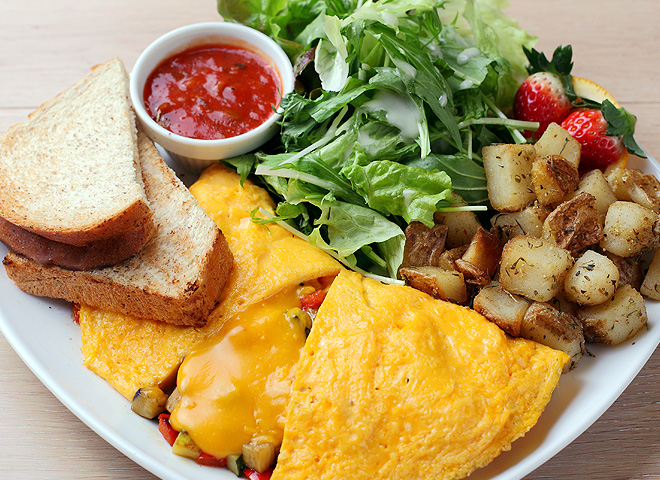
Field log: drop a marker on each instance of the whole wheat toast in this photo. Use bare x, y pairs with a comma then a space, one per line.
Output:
176, 278
70, 173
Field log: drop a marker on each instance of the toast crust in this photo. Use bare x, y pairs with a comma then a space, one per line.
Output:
190, 308
101, 253
178, 277
70, 173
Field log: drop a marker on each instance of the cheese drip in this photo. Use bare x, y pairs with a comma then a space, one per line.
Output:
235, 385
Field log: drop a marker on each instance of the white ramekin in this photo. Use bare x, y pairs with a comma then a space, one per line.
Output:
194, 154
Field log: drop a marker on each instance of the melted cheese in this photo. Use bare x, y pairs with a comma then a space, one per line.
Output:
131, 353
235, 385
394, 384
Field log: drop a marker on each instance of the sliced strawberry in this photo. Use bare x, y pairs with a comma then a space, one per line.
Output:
541, 98
588, 126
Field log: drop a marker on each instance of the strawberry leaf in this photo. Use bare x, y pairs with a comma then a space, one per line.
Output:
621, 123
561, 64
562, 59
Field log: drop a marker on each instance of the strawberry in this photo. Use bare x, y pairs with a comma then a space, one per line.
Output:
588, 126
541, 98
546, 95
603, 133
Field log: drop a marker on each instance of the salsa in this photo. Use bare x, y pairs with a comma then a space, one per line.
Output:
212, 91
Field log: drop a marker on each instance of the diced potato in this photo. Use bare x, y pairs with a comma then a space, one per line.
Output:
557, 141
149, 402
534, 268
449, 257
547, 325
574, 224
595, 184
592, 280
480, 260
553, 178
503, 308
630, 269
528, 221
423, 245
616, 320
563, 304
629, 229
509, 176
651, 284
446, 285
635, 186
258, 455
461, 226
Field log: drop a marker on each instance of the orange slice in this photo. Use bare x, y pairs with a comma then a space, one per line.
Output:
587, 89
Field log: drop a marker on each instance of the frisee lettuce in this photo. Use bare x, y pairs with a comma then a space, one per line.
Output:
399, 99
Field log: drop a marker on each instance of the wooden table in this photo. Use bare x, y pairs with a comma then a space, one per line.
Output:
46, 46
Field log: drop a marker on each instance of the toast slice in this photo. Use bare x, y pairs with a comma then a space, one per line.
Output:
176, 278
99, 253
70, 173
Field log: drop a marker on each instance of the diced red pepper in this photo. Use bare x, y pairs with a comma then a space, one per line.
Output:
254, 475
313, 301
166, 429
211, 461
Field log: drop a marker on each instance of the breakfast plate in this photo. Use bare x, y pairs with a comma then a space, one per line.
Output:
44, 335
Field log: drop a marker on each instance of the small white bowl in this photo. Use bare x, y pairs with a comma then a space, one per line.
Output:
194, 154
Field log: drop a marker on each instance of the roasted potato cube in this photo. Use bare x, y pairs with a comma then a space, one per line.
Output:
616, 320
461, 226
574, 224
557, 141
449, 257
630, 269
509, 176
651, 285
629, 229
503, 308
424, 245
559, 330
149, 402
259, 455
528, 221
592, 280
563, 304
480, 260
553, 178
534, 268
595, 184
635, 186
446, 285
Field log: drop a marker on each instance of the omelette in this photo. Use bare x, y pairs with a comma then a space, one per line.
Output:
393, 384
131, 353
390, 383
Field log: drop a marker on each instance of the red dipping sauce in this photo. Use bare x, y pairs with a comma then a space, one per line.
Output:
212, 91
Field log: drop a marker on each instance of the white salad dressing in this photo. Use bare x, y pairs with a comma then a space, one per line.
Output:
465, 84
401, 112
465, 56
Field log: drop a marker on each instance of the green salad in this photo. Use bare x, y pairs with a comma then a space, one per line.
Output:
395, 101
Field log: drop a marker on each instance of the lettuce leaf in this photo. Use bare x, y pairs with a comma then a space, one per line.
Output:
402, 95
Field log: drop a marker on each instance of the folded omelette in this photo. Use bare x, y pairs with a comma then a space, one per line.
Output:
393, 384
131, 353
390, 383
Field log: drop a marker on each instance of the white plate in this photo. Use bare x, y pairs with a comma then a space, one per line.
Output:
43, 334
